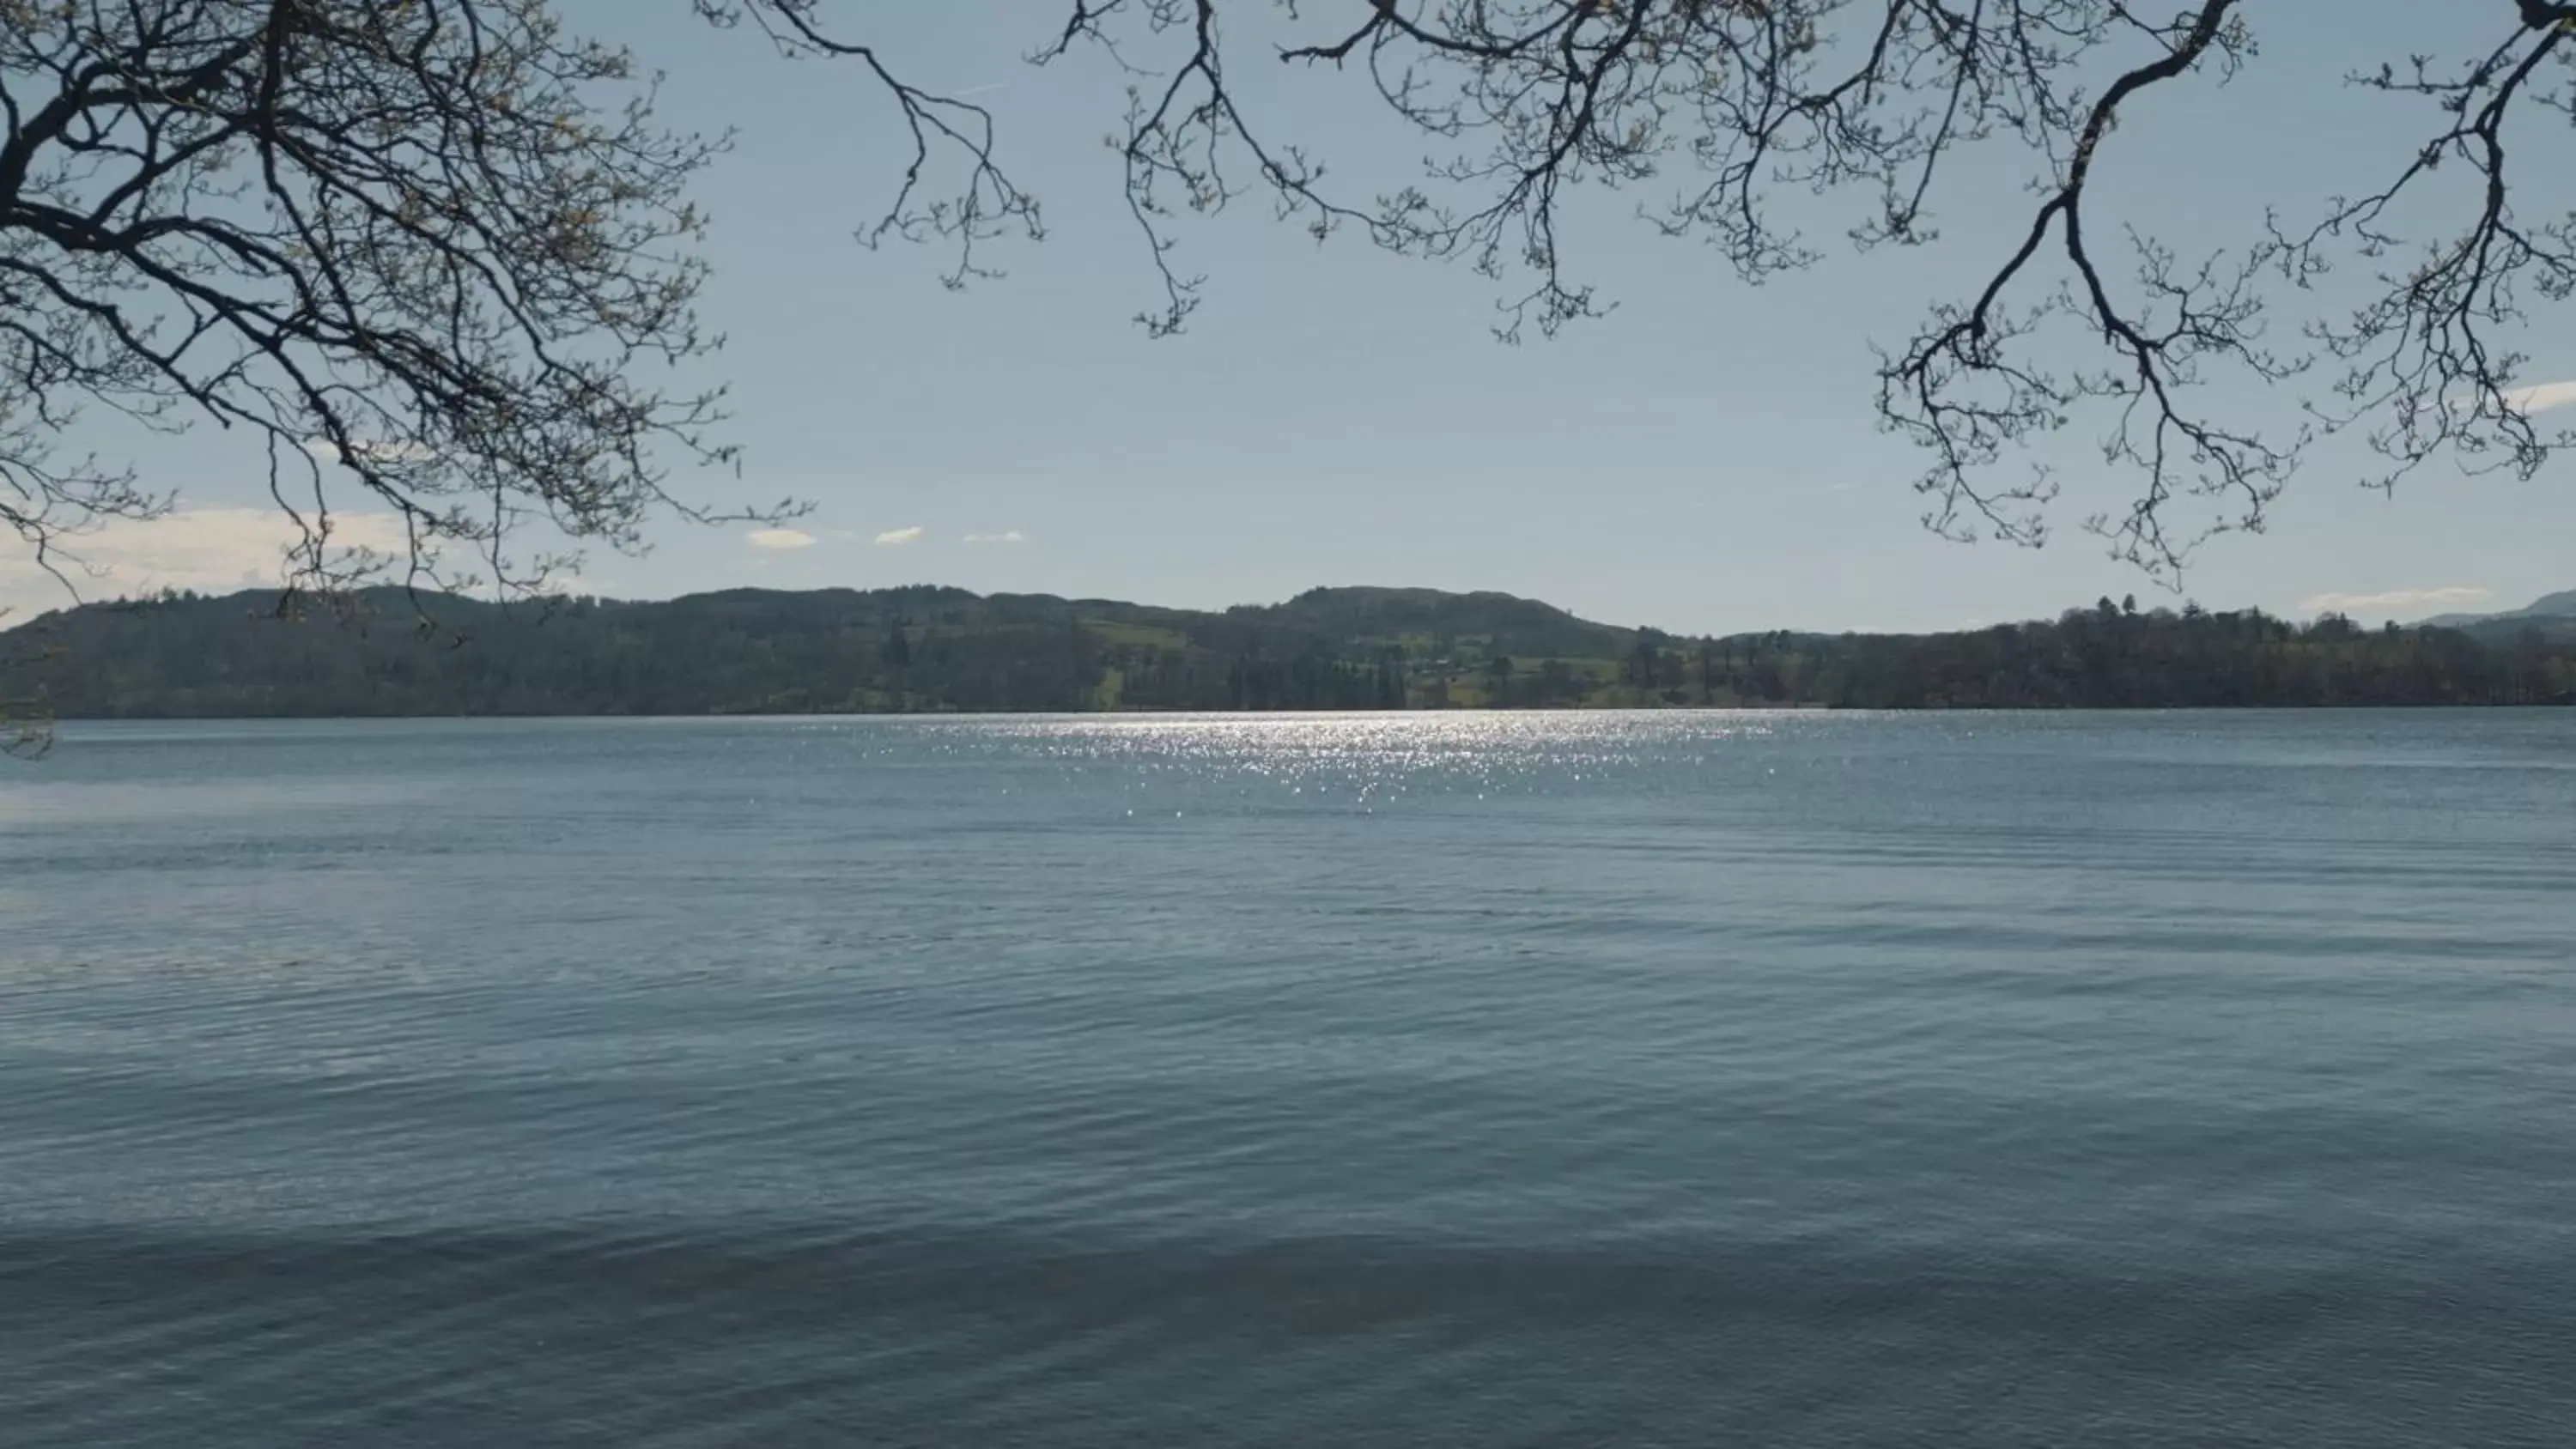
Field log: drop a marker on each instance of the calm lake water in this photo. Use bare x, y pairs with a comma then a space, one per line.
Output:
1439, 1080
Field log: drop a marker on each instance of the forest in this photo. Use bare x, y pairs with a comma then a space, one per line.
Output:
929, 649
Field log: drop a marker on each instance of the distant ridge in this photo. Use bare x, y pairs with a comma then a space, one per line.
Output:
936, 649
2544, 610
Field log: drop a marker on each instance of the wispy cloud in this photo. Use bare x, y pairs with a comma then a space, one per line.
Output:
898, 537
979, 540
2397, 601
211, 550
779, 538
2544, 396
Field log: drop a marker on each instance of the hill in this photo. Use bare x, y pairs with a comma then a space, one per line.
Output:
942, 649
1427, 621
764, 651
2550, 613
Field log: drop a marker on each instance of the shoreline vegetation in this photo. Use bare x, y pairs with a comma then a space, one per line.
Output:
941, 650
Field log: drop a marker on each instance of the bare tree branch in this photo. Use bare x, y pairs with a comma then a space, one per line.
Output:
422, 250
1761, 103
428, 251
984, 205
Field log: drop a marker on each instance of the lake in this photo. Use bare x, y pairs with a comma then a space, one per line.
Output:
1459, 1079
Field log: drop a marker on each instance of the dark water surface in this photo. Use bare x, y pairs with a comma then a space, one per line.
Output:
1474, 1080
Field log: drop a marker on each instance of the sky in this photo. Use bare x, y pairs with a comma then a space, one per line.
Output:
1704, 459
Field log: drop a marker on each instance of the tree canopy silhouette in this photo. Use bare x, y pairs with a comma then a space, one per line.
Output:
919, 650
427, 247
1757, 103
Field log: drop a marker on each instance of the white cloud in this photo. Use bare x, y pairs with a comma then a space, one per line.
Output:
2397, 601
210, 550
975, 540
898, 537
2544, 396
779, 538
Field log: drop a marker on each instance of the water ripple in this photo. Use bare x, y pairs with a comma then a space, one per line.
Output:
1468, 1079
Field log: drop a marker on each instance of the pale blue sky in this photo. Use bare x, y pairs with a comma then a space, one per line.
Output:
1703, 459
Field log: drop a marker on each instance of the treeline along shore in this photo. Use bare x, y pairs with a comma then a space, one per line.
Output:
928, 649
